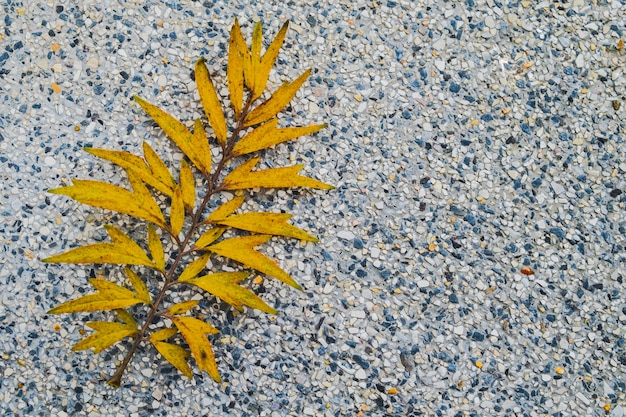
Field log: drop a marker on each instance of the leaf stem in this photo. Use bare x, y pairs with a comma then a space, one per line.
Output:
116, 378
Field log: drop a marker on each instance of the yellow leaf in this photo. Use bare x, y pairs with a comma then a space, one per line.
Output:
111, 197
163, 334
123, 251
196, 150
107, 334
180, 308
158, 167
138, 285
187, 185
126, 317
110, 296
242, 177
209, 236
267, 135
175, 355
194, 268
267, 223
255, 54
210, 101
194, 331
135, 164
224, 286
177, 212
267, 62
226, 209
237, 53
281, 97
240, 249
156, 249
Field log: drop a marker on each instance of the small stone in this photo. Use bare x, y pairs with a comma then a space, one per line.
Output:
147, 372
422, 283
346, 235
440, 64
374, 252
360, 374
580, 61
49, 161
490, 22
358, 314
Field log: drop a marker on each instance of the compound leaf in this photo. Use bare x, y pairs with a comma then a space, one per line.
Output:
242, 177
224, 286
210, 101
196, 150
183, 307
194, 332
111, 197
241, 249
266, 223
281, 97
107, 334
267, 135
138, 285
156, 249
110, 296
123, 251
175, 355
194, 268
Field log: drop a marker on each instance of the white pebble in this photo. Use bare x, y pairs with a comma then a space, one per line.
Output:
49, 161
346, 235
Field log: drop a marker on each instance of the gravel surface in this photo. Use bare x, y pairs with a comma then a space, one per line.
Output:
472, 143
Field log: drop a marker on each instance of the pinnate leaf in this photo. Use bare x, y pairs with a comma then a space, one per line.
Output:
243, 177
196, 150
138, 285
111, 197
281, 97
175, 355
156, 249
267, 135
224, 286
267, 223
182, 307
194, 332
210, 101
241, 249
123, 251
110, 296
107, 333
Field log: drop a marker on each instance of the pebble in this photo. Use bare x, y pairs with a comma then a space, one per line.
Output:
345, 235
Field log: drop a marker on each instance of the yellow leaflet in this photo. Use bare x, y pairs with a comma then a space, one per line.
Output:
237, 53
209, 236
111, 197
224, 286
197, 151
255, 56
123, 251
126, 317
242, 178
243, 50
267, 223
175, 355
158, 167
110, 296
226, 209
187, 185
267, 62
138, 285
194, 268
201, 140
134, 164
107, 334
281, 97
210, 101
163, 334
177, 212
180, 308
156, 249
240, 249
267, 135
194, 331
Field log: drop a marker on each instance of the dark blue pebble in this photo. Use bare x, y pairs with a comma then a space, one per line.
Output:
453, 298
406, 114
477, 336
486, 117
558, 232
361, 273
98, 90
357, 243
451, 367
470, 219
361, 362
455, 88
536, 183
351, 343
551, 318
